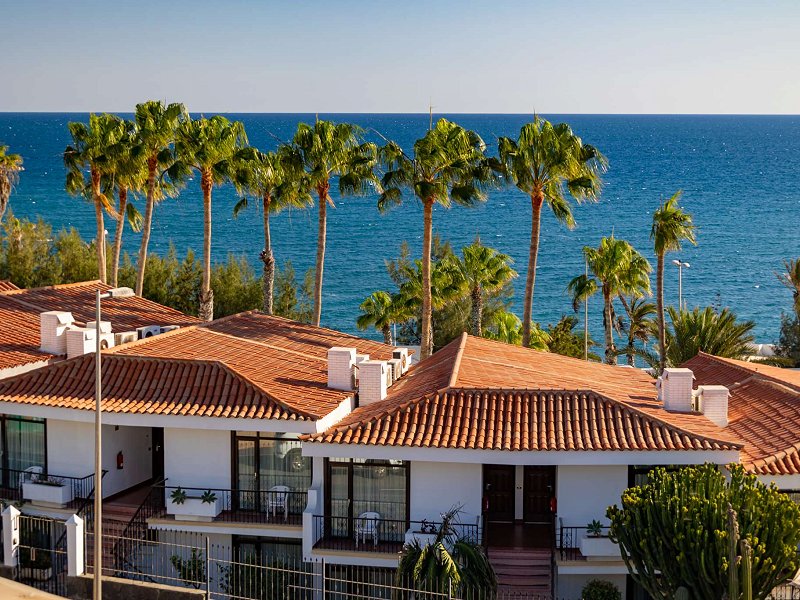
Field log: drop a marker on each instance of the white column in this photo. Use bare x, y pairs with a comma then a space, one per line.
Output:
75, 540
10, 535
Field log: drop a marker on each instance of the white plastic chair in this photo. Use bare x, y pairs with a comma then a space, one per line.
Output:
278, 499
31, 474
366, 526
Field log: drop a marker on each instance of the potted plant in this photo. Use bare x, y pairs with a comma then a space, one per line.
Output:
596, 545
190, 507
47, 491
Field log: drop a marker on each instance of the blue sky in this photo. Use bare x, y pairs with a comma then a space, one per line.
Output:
378, 56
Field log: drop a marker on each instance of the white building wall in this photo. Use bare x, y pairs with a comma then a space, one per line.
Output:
437, 487
585, 492
197, 458
70, 452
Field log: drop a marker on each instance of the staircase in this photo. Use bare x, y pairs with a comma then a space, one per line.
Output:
523, 572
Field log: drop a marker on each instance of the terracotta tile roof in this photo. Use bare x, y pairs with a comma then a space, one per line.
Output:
763, 410
6, 285
247, 365
480, 394
19, 316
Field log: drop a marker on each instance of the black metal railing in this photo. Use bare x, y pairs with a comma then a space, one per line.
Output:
371, 532
13, 480
568, 540
276, 506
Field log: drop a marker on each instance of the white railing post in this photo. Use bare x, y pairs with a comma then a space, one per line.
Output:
75, 539
10, 535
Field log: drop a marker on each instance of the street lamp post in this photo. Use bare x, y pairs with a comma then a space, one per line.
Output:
98, 463
681, 265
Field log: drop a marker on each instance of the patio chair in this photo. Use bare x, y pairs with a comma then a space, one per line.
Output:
278, 499
366, 526
31, 474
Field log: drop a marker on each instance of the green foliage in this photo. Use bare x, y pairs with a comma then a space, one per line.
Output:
566, 341
600, 589
706, 330
251, 578
236, 287
10, 167
293, 301
788, 346
192, 570
790, 278
595, 528
449, 561
677, 524
178, 496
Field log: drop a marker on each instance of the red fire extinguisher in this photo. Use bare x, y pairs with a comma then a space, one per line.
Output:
120, 460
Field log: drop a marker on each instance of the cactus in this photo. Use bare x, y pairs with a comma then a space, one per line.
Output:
681, 594
692, 528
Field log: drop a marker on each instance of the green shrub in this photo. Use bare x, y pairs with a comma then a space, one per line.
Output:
600, 589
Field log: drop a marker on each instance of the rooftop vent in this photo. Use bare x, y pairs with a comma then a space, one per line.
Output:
402, 354
149, 331
82, 340
53, 326
341, 368
712, 401
374, 379
675, 390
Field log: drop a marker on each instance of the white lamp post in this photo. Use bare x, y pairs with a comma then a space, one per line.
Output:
122, 292
681, 265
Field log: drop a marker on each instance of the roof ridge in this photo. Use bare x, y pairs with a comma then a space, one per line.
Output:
753, 372
55, 286
457, 361
181, 329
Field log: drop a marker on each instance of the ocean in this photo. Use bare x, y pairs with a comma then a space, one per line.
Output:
738, 175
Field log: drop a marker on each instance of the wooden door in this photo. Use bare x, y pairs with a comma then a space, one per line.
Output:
498, 489
539, 490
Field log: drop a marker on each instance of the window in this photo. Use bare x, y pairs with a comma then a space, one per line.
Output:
268, 551
639, 474
263, 461
22, 445
356, 486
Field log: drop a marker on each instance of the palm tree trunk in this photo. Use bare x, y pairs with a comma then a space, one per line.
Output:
206, 293
100, 241
477, 311
527, 312
662, 341
387, 334
426, 338
152, 163
123, 202
322, 228
268, 282
611, 356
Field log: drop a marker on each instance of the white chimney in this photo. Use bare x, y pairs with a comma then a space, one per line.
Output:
52, 331
105, 326
675, 390
373, 381
82, 340
341, 367
714, 403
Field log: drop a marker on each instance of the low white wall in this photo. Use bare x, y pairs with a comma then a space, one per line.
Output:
197, 458
70, 451
584, 493
437, 487
569, 587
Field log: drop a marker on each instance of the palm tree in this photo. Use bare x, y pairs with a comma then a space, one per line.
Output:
485, 270
671, 227
506, 327
382, 310
156, 124
449, 562
549, 163
791, 279
10, 166
213, 147
333, 150
639, 327
128, 176
706, 330
276, 178
93, 147
617, 270
449, 166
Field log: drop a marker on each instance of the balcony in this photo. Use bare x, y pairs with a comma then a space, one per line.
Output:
371, 532
38, 487
577, 544
279, 507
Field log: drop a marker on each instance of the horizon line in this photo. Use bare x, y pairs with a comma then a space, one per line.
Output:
424, 114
